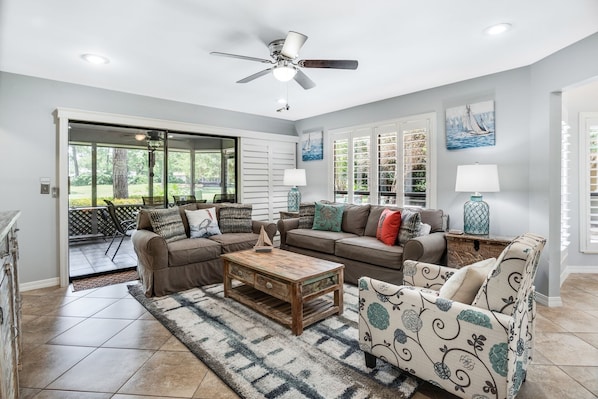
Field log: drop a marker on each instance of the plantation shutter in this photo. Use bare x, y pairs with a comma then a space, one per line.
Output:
415, 138
362, 166
387, 164
262, 167
340, 149
589, 187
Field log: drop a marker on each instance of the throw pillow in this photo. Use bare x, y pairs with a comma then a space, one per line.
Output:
202, 222
388, 226
306, 215
465, 283
167, 223
424, 229
328, 217
235, 218
410, 225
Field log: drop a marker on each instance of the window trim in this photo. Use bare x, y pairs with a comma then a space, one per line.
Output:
585, 244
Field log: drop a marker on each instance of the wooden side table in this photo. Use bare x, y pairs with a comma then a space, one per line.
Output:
465, 249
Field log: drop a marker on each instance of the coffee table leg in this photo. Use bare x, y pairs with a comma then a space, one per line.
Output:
338, 294
296, 309
227, 280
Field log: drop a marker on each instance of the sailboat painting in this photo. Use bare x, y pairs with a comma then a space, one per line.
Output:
470, 125
312, 146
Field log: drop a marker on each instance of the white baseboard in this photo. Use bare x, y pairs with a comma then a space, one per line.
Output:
577, 269
34, 285
551, 302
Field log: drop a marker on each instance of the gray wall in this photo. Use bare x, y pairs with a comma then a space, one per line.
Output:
527, 151
28, 142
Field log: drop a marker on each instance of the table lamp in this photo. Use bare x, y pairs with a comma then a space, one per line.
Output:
477, 178
294, 177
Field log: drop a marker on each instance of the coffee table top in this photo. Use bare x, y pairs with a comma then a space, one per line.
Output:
287, 265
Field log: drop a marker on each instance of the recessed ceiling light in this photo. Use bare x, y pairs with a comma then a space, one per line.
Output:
95, 59
497, 29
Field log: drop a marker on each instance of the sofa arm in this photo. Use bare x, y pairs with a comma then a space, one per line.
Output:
285, 225
426, 275
151, 250
429, 248
270, 228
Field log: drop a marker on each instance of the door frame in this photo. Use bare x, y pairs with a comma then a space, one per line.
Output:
64, 115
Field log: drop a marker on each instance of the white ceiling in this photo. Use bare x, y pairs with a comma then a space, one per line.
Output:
160, 48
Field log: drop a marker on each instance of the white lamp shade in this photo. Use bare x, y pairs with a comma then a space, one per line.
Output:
294, 177
477, 178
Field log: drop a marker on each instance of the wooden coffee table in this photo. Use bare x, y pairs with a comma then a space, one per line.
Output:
285, 286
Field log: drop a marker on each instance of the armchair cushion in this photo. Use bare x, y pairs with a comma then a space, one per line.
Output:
465, 283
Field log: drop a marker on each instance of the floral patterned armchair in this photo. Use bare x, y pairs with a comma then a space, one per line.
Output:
479, 350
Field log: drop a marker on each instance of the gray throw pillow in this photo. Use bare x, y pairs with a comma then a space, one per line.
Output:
235, 218
410, 225
306, 215
167, 223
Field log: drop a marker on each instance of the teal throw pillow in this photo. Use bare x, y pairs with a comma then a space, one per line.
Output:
328, 217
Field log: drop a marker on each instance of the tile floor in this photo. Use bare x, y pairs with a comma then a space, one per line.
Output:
101, 343
87, 257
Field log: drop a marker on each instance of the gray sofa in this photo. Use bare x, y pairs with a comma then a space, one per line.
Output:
184, 263
356, 245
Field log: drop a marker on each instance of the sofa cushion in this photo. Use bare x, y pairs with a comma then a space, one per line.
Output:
433, 217
315, 240
328, 217
190, 251
233, 242
465, 283
167, 223
355, 218
235, 218
306, 215
370, 250
388, 226
410, 225
202, 222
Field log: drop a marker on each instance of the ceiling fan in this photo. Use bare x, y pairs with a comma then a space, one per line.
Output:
285, 67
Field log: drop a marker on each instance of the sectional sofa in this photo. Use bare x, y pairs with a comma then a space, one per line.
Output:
356, 244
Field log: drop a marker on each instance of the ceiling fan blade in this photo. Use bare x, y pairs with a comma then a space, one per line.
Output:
255, 76
303, 80
336, 64
292, 44
242, 57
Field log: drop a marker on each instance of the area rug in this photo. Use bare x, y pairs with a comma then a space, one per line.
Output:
258, 358
104, 280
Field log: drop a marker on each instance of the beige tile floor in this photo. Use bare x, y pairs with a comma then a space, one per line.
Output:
101, 343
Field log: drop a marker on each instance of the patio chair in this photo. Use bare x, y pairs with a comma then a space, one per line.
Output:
122, 228
480, 347
153, 202
224, 198
184, 199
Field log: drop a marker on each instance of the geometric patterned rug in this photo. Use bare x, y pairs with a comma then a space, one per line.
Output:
104, 280
259, 358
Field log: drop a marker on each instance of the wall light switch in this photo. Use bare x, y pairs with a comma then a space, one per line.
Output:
45, 188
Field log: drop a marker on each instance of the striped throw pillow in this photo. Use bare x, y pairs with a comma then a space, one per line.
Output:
168, 223
235, 218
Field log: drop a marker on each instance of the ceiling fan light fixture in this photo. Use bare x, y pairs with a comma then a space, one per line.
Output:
140, 136
284, 73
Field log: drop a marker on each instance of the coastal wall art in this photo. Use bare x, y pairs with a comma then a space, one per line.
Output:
470, 125
312, 145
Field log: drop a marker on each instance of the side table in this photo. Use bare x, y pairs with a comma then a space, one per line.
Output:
465, 249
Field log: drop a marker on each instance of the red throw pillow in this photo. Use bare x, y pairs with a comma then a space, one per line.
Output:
388, 226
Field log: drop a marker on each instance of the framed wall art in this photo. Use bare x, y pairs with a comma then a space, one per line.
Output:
312, 145
470, 125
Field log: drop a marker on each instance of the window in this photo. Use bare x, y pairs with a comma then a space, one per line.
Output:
384, 163
588, 125
565, 206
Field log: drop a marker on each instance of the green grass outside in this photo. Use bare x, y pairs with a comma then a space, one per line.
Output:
81, 195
